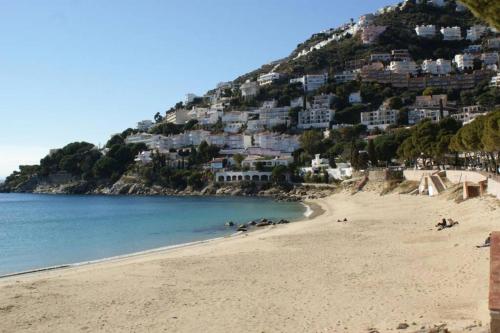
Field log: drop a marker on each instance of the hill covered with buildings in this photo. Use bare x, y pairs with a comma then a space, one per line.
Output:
395, 87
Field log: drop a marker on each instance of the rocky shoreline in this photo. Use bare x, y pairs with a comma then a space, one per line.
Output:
124, 186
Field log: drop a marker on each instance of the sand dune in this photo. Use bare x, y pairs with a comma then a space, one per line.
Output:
386, 266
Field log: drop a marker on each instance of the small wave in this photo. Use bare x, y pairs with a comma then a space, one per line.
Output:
308, 211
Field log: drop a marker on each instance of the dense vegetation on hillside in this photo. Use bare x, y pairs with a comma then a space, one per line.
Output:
488, 10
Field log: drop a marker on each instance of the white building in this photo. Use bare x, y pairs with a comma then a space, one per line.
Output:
403, 67
355, 98
205, 116
381, 118
346, 76
475, 48
144, 125
270, 117
464, 61
277, 142
418, 114
426, 31
469, 113
178, 116
318, 164
297, 102
144, 157
438, 67
239, 176
384, 57
269, 78
495, 81
253, 161
438, 3
190, 98
494, 43
451, 33
311, 82
490, 58
249, 89
319, 115
476, 32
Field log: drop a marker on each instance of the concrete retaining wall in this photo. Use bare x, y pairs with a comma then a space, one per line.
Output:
416, 175
460, 176
494, 187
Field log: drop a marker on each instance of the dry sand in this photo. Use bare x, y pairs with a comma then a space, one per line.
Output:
387, 265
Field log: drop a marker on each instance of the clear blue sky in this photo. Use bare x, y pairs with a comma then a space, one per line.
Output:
84, 69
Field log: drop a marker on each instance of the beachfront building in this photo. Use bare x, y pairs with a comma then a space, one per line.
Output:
269, 78
438, 67
416, 115
355, 98
403, 67
426, 31
381, 118
254, 162
144, 125
249, 89
239, 176
464, 61
451, 33
370, 33
319, 115
318, 165
311, 82
476, 32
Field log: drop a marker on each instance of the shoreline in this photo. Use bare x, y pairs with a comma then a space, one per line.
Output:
313, 210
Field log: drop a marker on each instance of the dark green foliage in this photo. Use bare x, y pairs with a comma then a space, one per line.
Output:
488, 10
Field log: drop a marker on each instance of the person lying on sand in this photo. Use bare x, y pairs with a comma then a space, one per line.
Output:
446, 224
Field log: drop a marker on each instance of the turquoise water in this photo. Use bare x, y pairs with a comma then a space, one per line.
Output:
47, 230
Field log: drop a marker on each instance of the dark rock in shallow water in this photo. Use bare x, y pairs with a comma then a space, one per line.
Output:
252, 223
229, 224
242, 227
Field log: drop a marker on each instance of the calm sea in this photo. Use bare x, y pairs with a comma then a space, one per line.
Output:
47, 230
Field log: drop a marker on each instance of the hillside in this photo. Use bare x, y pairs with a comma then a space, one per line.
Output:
178, 147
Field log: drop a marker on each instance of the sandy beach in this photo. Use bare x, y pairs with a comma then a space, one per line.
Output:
387, 265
